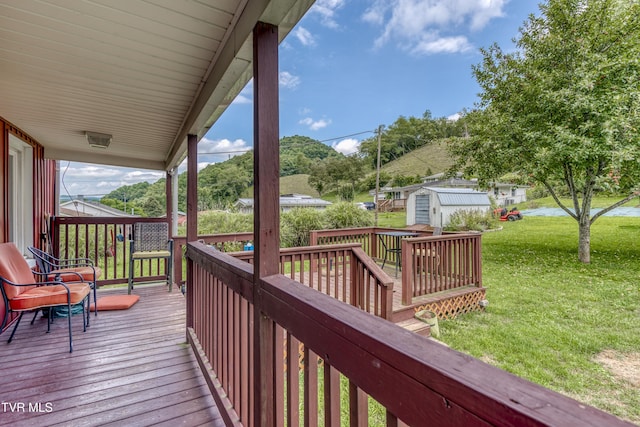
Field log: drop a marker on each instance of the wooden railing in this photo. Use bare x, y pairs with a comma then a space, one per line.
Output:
105, 240
366, 236
430, 264
309, 344
440, 263
344, 272
229, 242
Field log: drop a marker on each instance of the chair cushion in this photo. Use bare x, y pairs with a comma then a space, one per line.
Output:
86, 273
151, 254
44, 296
14, 268
115, 302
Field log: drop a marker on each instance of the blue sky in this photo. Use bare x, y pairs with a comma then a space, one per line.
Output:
350, 66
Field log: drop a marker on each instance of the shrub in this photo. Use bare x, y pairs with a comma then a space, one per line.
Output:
471, 220
346, 215
296, 224
220, 222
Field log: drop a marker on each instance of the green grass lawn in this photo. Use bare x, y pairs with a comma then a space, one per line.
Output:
556, 321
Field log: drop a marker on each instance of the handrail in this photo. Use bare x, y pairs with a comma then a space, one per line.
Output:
344, 272
419, 382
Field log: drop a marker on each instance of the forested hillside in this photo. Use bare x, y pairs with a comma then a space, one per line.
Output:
410, 149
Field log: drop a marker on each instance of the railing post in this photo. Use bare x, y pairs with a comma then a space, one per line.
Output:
407, 272
477, 257
373, 243
189, 294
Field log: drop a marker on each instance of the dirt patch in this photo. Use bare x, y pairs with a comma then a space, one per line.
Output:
625, 366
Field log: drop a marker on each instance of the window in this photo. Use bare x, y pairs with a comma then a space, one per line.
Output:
20, 193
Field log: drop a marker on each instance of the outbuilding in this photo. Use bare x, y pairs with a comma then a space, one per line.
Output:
287, 202
434, 205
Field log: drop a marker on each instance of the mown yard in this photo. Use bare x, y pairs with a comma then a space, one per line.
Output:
568, 326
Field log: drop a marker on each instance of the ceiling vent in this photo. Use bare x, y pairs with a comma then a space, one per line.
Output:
98, 140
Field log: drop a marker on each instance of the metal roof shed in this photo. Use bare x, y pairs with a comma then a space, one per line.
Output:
434, 205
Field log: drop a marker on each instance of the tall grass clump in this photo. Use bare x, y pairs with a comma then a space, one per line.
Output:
471, 220
296, 224
346, 215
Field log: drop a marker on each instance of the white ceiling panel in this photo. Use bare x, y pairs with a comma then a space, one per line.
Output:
147, 72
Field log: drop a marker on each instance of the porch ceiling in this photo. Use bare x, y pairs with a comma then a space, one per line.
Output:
147, 72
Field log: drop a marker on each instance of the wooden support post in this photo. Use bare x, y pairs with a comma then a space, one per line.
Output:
169, 213
266, 214
192, 188
192, 215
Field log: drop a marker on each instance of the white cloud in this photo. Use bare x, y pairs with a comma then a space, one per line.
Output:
431, 26
222, 146
454, 117
327, 10
288, 80
89, 179
315, 124
442, 45
346, 146
304, 36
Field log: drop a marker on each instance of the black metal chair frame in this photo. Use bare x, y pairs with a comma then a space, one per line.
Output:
8, 310
47, 264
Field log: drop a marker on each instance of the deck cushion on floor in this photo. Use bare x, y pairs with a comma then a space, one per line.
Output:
115, 302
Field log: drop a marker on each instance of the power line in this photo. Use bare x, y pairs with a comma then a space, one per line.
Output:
348, 136
306, 142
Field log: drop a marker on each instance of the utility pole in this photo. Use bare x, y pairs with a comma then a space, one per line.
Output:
379, 131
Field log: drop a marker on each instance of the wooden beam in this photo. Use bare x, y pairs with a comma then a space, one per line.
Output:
266, 214
192, 217
192, 188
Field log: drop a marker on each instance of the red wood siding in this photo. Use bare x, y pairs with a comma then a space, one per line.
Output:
44, 182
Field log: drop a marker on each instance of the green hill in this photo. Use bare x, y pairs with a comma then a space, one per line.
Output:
432, 157
292, 184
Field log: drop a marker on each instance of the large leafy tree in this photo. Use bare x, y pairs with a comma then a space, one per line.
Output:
563, 110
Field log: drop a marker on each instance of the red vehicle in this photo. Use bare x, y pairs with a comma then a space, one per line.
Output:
508, 215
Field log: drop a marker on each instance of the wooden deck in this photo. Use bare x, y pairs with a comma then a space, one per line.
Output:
131, 367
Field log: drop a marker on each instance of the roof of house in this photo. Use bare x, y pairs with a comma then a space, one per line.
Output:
460, 196
298, 200
78, 208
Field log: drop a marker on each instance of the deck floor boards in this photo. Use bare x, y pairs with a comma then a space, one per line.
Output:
132, 367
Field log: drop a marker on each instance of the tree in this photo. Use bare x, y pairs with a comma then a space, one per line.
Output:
564, 109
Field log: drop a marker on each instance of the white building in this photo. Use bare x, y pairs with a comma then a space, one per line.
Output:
79, 207
287, 203
434, 205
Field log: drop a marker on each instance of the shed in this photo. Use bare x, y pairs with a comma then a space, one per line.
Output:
434, 205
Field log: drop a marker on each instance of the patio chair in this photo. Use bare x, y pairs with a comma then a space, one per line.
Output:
21, 291
67, 270
151, 240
